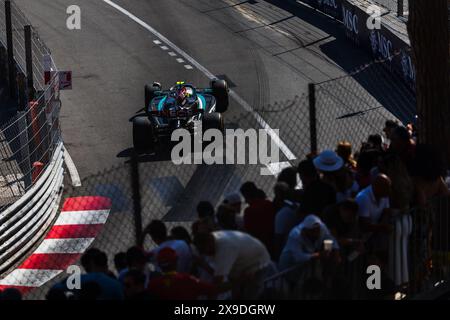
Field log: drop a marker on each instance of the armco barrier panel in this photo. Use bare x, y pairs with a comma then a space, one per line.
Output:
24, 223
31, 151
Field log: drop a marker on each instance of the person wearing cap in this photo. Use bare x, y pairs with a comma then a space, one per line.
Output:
305, 244
336, 174
173, 285
329, 164
238, 257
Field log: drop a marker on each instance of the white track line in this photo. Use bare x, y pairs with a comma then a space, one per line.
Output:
283, 147
74, 176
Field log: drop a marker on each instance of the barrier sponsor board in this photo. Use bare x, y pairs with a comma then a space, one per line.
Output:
330, 7
382, 43
65, 80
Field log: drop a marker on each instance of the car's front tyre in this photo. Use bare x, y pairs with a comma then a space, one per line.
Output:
143, 135
220, 92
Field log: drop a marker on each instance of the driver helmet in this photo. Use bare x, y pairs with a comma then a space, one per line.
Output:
182, 95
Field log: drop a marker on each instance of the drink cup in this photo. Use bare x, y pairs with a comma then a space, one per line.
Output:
327, 245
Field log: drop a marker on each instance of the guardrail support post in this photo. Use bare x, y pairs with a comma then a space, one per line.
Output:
399, 8
9, 44
29, 63
312, 117
135, 187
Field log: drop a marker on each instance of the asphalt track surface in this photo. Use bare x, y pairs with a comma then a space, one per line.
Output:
268, 51
269, 54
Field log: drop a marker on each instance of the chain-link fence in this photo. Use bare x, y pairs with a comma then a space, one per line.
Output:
27, 142
147, 187
29, 135
39, 49
151, 187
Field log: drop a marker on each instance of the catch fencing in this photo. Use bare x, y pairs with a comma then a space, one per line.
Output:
31, 148
39, 49
148, 187
29, 134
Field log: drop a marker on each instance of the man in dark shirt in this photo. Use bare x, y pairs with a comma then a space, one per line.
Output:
317, 194
342, 221
259, 216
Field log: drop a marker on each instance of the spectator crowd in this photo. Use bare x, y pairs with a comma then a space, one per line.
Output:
329, 218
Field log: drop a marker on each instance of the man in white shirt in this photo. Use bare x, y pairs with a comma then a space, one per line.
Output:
158, 232
374, 215
373, 203
238, 256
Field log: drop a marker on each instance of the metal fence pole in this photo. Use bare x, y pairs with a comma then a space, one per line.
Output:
29, 62
9, 44
400, 8
312, 117
135, 187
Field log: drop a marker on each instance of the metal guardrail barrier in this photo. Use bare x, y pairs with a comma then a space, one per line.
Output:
25, 222
29, 137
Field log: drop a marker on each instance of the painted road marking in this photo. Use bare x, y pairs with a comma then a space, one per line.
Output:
189, 67
75, 245
172, 54
63, 245
29, 277
164, 48
73, 172
88, 217
179, 60
283, 147
157, 42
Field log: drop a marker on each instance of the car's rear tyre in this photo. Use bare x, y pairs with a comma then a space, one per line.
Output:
150, 93
143, 135
220, 92
213, 120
